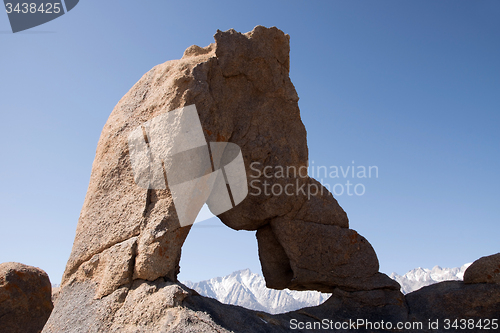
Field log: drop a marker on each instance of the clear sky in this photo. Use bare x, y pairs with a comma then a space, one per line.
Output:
412, 87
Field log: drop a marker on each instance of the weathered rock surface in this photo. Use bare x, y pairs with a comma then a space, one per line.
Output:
142, 307
454, 300
125, 257
477, 298
372, 305
163, 306
243, 94
339, 257
484, 270
55, 293
25, 298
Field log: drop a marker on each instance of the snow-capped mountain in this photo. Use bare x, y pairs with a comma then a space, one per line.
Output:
249, 290
421, 277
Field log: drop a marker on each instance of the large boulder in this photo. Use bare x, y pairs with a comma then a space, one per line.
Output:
472, 304
448, 301
25, 298
484, 270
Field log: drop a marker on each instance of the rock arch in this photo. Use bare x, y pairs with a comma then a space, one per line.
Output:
122, 272
242, 91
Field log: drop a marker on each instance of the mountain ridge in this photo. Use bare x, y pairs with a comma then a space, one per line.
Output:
420, 277
249, 290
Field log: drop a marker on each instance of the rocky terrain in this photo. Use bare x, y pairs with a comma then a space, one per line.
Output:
129, 237
249, 290
122, 272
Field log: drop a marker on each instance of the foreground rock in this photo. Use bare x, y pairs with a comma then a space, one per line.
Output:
484, 270
129, 237
475, 300
454, 300
25, 298
163, 306
122, 272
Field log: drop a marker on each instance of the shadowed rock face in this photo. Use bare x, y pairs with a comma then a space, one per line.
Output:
164, 306
243, 94
454, 300
475, 299
25, 298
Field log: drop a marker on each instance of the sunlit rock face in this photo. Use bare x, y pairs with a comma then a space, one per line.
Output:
130, 232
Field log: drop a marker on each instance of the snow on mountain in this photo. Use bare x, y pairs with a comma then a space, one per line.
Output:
421, 277
249, 290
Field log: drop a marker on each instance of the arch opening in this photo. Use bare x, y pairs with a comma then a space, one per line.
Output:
223, 263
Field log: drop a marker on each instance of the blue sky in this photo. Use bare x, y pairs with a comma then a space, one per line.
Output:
412, 87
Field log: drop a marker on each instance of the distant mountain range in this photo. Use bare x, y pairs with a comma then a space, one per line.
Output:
421, 277
249, 290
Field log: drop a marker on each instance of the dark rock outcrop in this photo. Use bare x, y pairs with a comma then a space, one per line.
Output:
25, 298
163, 306
476, 298
484, 270
454, 300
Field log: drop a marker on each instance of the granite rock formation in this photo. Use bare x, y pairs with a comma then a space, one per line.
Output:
242, 92
164, 306
484, 270
122, 272
475, 300
240, 85
454, 300
25, 298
